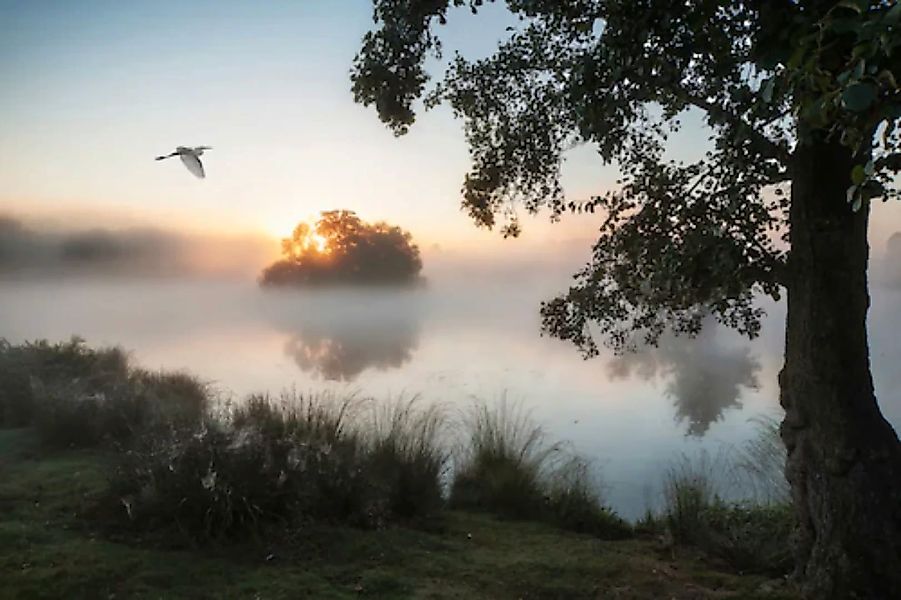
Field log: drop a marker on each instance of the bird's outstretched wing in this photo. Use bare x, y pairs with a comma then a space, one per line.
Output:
193, 163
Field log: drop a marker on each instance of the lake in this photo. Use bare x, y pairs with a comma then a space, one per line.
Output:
453, 340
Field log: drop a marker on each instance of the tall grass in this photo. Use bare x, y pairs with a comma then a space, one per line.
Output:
408, 453
502, 461
751, 534
761, 463
288, 460
322, 418
506, 466
689, 489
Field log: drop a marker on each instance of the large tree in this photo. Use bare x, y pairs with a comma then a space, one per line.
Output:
801, 100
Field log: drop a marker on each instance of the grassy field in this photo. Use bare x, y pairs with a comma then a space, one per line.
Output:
52, 547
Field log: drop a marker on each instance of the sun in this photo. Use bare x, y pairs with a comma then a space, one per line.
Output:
320, 242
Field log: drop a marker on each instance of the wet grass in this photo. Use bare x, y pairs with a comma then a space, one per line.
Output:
51, 548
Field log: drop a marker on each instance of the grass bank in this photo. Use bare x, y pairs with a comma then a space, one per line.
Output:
120, 483
51, 546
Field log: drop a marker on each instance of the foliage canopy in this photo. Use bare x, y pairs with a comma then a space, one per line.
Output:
678, 240
342, 248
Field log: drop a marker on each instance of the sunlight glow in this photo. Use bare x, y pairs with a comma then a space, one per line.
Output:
304, 241
321, 243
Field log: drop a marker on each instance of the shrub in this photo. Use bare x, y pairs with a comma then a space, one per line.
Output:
219, 482
286, 461
79, 396
751, 537
70, 415
45, 364
170, 399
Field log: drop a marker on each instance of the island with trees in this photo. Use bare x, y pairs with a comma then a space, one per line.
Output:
341, 248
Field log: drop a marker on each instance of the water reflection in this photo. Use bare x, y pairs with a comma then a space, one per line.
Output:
704, 377
337, 336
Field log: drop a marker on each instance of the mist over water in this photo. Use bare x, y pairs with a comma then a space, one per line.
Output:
472, 331
33, 252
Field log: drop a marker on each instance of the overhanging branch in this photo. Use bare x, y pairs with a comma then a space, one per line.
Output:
767, 147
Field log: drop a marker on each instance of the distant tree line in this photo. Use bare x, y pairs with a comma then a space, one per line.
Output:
132, 251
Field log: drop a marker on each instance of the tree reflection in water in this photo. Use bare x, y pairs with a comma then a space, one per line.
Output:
703, 376
339, 334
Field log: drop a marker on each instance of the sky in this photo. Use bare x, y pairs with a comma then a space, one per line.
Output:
91, 91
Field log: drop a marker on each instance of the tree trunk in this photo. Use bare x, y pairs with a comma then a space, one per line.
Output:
844, 459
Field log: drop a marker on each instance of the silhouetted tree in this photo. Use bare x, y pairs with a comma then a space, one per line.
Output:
342, 248
794, 93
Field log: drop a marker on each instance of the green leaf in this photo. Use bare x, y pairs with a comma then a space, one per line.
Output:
843, 25
888, 77
869, 167
851, 137
871, 189
852, 192
815, 112
856, 205
894, 15
859, 97
768, 88
891, 111
860, 50
858, 175
797, 56
852, 4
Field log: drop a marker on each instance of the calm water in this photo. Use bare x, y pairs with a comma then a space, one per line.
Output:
452, 341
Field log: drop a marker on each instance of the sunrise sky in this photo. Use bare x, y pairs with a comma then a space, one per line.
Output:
91, 91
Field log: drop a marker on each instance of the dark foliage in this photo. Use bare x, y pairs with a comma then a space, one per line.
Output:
282, 463
79, 396
751, 536
123, 252
26, 369
341, 248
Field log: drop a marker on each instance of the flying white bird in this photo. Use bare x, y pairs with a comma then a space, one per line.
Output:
191, 158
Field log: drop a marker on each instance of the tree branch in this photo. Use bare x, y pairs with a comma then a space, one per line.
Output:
767, 147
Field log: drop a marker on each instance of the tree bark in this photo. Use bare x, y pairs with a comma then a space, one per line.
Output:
844, 459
